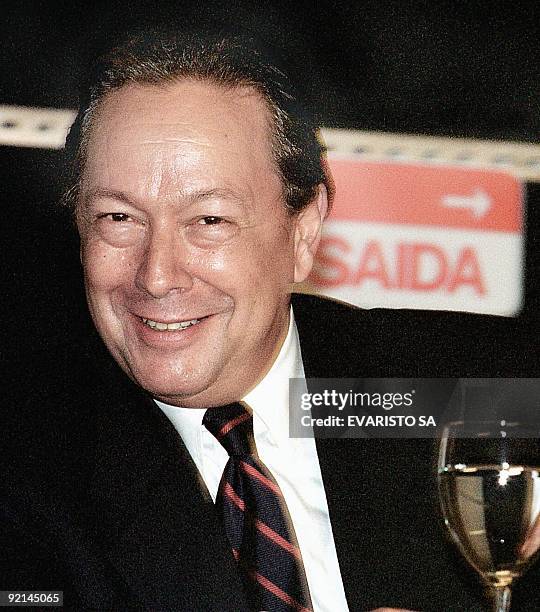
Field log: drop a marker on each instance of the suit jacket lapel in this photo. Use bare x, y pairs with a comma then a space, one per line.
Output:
323, 357
150, 499
345, 512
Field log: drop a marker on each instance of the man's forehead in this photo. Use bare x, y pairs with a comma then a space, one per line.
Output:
186, 116
185, 103
187, 134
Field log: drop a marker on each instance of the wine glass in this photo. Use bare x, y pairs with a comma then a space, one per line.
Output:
489, 489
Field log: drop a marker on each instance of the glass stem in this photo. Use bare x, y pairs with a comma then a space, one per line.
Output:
502, 599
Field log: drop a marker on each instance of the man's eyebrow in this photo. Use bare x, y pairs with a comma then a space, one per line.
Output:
218, 192
111, 194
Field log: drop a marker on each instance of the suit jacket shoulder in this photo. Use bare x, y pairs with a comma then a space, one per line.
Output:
342, 340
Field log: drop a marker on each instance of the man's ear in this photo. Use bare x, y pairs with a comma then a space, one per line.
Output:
308, 233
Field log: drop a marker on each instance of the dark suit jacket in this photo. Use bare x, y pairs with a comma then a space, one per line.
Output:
101, 499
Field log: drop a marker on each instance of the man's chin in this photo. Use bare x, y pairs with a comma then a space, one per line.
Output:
193, 396
176, 394
175, 397
169, 388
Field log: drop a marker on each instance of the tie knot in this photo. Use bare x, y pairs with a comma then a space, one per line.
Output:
232, 426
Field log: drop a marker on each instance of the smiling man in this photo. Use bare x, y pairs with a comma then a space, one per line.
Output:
188, 248
190, 245
199, 188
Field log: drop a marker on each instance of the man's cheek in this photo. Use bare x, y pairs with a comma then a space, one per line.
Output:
104, 266
226, 268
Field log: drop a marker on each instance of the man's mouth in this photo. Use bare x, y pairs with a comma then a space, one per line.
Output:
174, 326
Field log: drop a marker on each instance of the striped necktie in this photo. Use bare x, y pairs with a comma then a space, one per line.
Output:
256, 519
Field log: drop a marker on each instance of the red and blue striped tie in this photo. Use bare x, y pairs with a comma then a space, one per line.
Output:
256, 519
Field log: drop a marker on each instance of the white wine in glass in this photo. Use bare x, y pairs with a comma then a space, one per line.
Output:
489, 488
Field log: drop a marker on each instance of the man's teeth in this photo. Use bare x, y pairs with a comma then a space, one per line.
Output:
170, 326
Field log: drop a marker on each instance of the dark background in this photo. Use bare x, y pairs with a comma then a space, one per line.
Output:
452, 68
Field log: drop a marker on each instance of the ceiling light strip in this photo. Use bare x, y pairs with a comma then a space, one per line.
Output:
46, 128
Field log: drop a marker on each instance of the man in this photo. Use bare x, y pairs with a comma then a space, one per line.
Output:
199, 192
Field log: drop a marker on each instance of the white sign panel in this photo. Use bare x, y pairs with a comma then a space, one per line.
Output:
418, 236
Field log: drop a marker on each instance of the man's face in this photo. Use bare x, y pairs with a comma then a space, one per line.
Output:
187, 249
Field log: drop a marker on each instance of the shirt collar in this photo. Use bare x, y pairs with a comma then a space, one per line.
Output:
269, 400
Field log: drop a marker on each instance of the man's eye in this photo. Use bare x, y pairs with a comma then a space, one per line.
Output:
118, 216
210, 220
118, 229
210, 230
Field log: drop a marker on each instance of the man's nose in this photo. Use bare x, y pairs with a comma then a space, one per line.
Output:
164, 265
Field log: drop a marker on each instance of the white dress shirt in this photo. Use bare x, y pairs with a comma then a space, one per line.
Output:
292, 461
